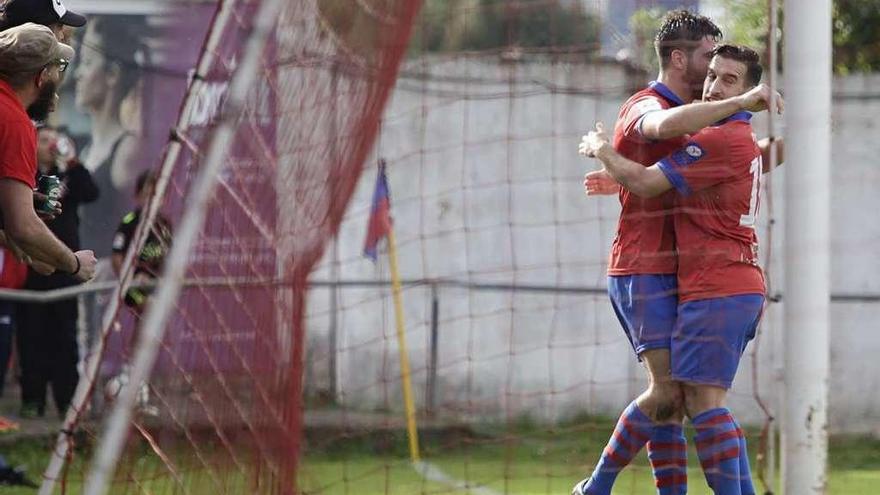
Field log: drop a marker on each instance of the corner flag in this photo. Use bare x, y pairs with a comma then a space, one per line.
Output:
380, 214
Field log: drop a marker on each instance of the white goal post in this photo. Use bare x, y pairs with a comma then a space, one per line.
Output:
807, 246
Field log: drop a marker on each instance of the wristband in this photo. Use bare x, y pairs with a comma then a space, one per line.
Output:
78, 266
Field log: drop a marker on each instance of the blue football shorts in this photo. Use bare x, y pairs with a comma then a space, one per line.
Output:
647, 307
711, 336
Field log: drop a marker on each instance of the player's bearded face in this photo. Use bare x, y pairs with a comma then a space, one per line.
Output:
45, 103
695, 74
698, 66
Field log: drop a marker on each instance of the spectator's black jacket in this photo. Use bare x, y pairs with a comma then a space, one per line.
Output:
80, 189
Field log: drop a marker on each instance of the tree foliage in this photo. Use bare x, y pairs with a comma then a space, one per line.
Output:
643, 27
856, 39
476, 25
856, 36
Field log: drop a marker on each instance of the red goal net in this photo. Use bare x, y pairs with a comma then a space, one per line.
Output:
221, 411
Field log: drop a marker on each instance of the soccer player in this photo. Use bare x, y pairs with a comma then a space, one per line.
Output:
642, 267
716, 174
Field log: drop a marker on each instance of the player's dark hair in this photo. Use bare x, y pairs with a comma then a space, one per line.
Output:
683, 30
746, 56
147, 176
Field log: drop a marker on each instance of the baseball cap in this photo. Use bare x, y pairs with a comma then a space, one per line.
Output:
30, 47
41, 12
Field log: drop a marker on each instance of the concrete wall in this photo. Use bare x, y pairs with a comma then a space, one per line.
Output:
486, 188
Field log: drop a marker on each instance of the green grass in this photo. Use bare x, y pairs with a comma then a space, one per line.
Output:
372, 476
524, 460
529, 460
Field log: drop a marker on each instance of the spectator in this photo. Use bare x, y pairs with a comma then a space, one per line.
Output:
12, 276
58, 18
50, 13
47, 344
31, 63
148, 263
147, 267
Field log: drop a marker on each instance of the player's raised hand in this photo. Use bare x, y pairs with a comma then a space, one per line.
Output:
757, 99
593, 142
600, 183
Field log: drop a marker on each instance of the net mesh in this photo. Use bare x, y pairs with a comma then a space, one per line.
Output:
280, 366
269, 372
221, 412
519, 367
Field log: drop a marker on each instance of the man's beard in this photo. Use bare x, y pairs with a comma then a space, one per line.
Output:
45, 103
695, 81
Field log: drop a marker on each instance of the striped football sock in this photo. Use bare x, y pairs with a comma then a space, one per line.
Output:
745, 471
631, 433
667, 451
718, 446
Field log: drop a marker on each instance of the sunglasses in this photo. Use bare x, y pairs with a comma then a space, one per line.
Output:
62, 64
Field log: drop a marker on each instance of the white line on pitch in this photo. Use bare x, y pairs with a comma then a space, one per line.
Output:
433, 473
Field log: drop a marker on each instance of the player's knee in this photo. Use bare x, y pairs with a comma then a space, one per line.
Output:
700, 398
671, 405
664, 402
690, 399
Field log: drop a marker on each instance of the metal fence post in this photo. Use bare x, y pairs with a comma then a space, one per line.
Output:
431, 395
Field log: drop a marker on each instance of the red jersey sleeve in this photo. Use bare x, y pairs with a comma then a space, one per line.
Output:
13, 273
18, 154
702, 162
632, 124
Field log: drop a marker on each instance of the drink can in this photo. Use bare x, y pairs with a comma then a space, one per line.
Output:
49, 185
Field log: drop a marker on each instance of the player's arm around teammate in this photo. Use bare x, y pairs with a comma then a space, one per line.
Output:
645, 182
688, 119
601, 183
648, 182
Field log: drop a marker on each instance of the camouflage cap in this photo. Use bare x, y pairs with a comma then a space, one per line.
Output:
29, 48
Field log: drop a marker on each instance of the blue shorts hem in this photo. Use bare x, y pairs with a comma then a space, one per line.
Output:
650, 346
696, 380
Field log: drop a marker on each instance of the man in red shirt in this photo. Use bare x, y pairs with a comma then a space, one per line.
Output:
642, 266
716, 175
12, 276
31, 63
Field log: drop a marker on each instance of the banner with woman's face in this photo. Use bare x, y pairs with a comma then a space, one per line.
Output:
120, 98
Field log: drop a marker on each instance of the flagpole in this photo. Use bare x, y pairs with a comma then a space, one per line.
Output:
412, 432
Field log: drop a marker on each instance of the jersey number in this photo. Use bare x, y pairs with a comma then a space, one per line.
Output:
756, 169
